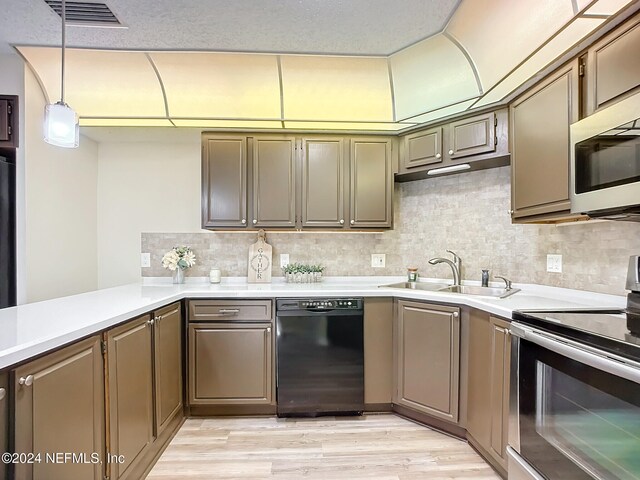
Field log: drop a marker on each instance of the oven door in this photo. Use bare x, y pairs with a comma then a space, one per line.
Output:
578, 411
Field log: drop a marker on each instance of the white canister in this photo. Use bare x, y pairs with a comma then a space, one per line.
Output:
215, 275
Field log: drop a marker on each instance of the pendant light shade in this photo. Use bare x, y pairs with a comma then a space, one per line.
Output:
60, 120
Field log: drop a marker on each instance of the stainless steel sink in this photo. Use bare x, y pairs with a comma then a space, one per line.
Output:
476, 290
431, 287
462, 289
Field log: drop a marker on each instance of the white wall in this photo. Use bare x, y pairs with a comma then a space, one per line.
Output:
143, 187
12, 72
61, 203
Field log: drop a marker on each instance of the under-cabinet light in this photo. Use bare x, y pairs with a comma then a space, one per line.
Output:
452, 168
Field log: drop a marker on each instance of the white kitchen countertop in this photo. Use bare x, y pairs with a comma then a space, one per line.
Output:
32, 329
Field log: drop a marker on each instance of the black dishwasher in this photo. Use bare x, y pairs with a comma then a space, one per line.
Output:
320, 357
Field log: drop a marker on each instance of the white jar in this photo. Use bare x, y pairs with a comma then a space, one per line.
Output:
215, 275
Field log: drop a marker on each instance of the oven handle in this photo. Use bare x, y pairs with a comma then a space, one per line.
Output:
597, 359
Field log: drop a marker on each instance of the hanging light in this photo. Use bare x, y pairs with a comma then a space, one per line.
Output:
60, 120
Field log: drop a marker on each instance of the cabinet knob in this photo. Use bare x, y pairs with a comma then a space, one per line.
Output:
268, 329
158, 318
353, 222
438, 155
341, 221
3, 393
244, 221
151, 322
26, 381
455, 314
450, 152
510, 212
255, 221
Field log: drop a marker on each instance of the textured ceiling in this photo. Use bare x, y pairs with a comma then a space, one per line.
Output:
363, 27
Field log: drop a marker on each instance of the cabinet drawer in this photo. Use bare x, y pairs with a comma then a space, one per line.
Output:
214, 310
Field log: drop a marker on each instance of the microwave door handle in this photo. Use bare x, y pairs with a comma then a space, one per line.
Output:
620, 368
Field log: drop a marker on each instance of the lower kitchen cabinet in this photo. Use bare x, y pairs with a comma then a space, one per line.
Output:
59, 408
230, 364
130, 395
427, 358
4, 421
488, 385
167, 353
378, 353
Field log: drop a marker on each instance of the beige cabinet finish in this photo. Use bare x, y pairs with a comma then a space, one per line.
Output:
422, 148
59, 407
224, 181
488, 384
4, 421
230, 364
613, 67
427, 357
378, 351
540, 148
274, 182
235, 310
167, 353
473, 136
323, 169
130, 394
371, 183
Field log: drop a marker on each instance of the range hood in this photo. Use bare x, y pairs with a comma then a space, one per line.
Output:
488, 49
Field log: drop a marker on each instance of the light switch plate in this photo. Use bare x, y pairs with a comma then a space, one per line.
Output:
554, 263
145, 260
284, 260
378, 260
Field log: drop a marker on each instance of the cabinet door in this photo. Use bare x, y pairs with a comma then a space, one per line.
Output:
130, 394
613, 67
9, 121
422, 148
472, 136
540, 146
4, 421
167, 340
323, 182
371, 183
230, 364
59, 407
274, 182
224, 181
500, 368
479, 410
428, 358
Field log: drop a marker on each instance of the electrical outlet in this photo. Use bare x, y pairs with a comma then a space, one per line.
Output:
554, 263
284, 260
378, 260
145, 260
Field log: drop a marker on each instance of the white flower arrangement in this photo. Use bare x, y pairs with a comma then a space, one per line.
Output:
179, 257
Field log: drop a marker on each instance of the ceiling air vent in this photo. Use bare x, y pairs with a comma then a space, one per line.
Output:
86, 13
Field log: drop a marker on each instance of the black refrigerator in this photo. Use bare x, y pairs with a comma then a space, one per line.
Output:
7, 233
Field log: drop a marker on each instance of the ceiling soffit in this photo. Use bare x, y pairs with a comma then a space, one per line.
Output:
488, 49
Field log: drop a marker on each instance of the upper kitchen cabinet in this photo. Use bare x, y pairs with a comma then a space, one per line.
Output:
274, 182
323, 185
481, 141
224, 181
8, 121
540, 148
613, 67
371, 183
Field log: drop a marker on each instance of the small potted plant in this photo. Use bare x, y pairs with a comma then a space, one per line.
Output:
177, 260
302, 273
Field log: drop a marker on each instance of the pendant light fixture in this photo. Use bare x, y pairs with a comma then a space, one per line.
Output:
60, 120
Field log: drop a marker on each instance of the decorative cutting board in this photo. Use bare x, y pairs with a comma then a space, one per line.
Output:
260, 256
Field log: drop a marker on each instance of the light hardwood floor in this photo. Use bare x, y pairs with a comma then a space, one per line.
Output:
382, 447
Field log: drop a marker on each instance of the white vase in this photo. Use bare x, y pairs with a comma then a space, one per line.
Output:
178, 275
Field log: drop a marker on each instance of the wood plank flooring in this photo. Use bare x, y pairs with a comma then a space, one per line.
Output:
382, 447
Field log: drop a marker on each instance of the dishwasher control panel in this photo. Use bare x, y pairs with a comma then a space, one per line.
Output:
320, 304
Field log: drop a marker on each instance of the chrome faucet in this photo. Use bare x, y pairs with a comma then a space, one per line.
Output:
455, 265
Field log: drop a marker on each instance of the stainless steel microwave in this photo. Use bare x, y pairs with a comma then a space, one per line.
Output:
605, 162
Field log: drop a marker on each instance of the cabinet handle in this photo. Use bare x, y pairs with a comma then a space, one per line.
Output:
450, 152
244, 221
26, 381
438, 155
255, 221
455, 314
3, 393
268, 329
151, 322
341, 221
233, 311
510, 212
158, 318
352, 222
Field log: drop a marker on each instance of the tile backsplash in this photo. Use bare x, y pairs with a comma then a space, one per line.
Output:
466, 213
